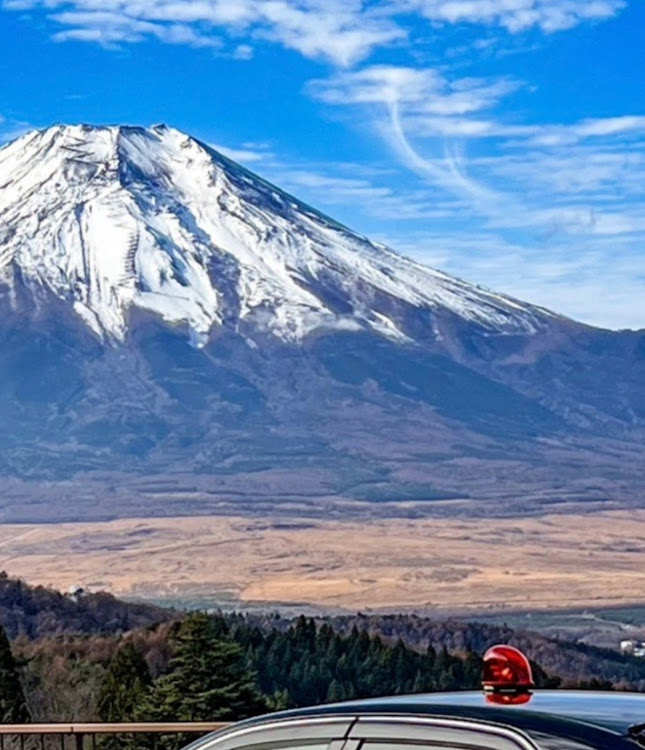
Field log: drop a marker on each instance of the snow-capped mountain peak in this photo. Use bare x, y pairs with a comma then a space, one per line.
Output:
111, 219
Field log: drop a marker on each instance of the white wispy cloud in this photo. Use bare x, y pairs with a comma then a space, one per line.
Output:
425, 91
340, 31
537, 173
395, 93
245, 153
607, 172
343, 32
589, 280
11, 129
561, 135
110, 27
325, 186
559, 208
342, 184
517, 15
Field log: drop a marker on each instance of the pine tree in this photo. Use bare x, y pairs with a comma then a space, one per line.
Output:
420, 684
335, 693
13, 707
124, 687
279, 701
207, 678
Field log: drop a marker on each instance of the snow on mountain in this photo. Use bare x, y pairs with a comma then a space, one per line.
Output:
111, 219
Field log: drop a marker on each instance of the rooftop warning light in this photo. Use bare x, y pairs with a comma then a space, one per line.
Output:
508, 679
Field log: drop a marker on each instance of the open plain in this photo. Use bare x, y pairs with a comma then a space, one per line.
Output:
428, 564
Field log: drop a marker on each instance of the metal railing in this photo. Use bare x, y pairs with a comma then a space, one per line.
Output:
84, 735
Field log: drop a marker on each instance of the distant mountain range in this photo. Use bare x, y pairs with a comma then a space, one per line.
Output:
179, 336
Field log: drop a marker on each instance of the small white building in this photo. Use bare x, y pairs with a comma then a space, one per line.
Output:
633, 648
76, 592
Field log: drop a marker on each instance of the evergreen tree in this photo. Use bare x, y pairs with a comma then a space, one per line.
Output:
420, 684
473, 666
207, 678
13, 707
124, 687
279, 701
544, 680
335, 693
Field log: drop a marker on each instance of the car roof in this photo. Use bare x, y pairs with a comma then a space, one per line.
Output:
612, 711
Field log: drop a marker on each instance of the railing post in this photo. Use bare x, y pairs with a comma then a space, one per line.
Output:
80, 737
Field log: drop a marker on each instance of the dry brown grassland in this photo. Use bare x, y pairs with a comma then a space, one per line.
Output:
548, 562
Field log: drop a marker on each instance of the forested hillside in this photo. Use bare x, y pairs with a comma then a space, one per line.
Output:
40, 612
81, 658
574, 662
233, 668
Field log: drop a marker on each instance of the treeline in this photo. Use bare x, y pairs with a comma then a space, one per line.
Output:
578, 664
575, 662
37, 612
206, 667
227, 667
310, 664
214, 667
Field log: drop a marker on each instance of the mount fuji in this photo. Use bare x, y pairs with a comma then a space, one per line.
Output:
179, 336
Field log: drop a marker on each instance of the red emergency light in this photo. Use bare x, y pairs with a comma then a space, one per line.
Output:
508, 678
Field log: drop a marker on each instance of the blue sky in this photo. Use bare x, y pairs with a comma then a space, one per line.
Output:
499, 140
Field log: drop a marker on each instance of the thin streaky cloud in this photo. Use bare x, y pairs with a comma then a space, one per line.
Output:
397, 100
564, 277
447, 172
343, 32
243, 154
11, 129
517, 16
395, 87
340, 31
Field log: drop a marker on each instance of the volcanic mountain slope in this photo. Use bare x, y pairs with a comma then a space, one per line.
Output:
181, 336
115, 219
